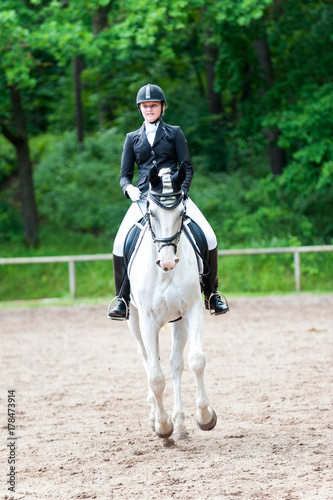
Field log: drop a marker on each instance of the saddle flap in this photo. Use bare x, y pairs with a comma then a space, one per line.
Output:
199, 243
132, 239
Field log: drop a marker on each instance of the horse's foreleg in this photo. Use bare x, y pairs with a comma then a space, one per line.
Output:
156, 379
135, 330
176, 371
163, 424
206, 417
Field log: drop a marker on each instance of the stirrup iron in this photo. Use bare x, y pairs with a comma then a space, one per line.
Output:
213, 313
115, 317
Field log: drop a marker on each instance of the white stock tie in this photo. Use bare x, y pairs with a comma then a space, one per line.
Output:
151, 129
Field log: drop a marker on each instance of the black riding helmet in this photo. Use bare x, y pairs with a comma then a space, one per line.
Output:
149, 93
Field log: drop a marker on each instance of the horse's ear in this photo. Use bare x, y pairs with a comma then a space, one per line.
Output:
154, 178
179, 177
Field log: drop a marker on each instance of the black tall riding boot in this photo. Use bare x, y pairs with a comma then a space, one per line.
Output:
122, 286
213, 300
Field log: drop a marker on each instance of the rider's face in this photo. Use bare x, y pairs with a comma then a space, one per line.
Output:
151, 111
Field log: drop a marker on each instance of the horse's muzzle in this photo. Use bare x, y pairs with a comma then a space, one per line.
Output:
167, 265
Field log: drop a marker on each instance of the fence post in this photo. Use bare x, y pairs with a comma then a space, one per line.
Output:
71, 274
297, 270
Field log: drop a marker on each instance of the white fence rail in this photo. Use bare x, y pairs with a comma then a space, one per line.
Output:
71, 259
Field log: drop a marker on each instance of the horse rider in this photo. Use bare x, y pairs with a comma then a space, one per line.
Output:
165, 146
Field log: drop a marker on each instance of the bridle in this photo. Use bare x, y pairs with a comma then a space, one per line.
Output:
157, 197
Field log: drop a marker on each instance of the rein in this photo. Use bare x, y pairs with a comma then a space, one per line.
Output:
157, 197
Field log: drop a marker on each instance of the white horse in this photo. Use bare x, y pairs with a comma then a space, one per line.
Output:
165, 288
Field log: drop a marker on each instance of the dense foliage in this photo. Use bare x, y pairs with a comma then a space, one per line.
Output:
250, 83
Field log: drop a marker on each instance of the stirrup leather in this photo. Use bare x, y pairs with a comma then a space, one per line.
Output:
213, 313
115, 317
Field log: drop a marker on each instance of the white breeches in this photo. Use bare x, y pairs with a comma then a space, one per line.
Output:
138, 209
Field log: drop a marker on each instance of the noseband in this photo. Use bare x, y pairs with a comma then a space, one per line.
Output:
166, 205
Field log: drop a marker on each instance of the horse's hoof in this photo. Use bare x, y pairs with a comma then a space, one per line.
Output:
165, 436
210, 425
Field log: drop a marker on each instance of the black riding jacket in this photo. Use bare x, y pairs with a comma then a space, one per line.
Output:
169, 150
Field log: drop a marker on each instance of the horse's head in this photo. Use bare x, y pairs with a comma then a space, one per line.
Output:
165, 210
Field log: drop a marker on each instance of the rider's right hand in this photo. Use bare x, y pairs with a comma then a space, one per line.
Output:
133, 192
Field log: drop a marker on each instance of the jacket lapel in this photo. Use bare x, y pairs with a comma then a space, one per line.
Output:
160, 132
143, 137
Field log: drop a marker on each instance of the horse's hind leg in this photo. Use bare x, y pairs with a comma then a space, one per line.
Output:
206, 416
176, 371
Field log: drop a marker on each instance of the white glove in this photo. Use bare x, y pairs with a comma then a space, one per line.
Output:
133, 192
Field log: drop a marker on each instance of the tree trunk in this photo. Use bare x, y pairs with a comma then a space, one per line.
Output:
78, 67
261, 50
214, 98
20, 140
100, 19
277, 155
99, 23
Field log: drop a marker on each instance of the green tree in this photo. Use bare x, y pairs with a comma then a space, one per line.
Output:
15, 76
248, 81
34, 36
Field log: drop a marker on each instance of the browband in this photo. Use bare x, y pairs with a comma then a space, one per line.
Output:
156, 197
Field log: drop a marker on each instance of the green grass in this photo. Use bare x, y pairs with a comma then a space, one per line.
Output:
275, 273
238, 275
37, 281
55, 241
